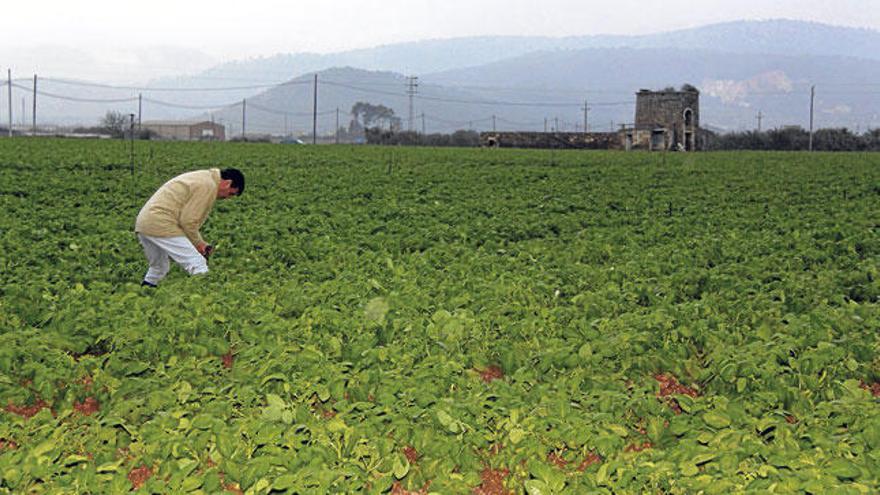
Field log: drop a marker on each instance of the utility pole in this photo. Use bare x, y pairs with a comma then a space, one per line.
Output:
9, 85
315, 113
545, 124
760, 117
243, 121
586, 117
34, 112
556, 124
23, 116
411, 90
812, 102
337, 125
493, 123
141, 109
131, 140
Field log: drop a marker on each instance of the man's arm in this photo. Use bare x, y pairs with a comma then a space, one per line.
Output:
194, 213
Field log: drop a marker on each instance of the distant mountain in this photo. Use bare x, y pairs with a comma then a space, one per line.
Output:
526, 83
735, 87
783, 37
288, 108
520, 93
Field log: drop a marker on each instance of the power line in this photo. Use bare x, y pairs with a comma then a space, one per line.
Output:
81, 100
191, 107
523, 124
457, 123
160, 89
476, 102
356, 88
534, 89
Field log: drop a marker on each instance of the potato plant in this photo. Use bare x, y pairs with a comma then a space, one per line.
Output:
413, 321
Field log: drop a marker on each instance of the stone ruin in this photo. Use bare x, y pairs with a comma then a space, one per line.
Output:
666, 120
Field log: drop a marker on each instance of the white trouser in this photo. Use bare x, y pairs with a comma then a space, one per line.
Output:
159, 249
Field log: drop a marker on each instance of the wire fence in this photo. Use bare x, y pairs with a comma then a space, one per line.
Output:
292, 107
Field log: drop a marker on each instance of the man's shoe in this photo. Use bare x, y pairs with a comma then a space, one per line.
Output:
147, 284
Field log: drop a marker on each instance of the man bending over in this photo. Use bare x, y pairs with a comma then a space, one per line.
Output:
168, 225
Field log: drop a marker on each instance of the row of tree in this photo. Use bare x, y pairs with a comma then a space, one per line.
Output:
796, 139
377, 124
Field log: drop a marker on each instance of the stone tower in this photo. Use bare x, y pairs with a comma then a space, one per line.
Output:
672, 117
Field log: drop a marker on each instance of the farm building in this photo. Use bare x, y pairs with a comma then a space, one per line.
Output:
665, 120
183, 130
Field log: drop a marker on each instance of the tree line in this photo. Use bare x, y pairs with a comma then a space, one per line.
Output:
796, 139
377, 124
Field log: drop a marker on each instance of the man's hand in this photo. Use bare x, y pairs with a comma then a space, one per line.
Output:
205, 249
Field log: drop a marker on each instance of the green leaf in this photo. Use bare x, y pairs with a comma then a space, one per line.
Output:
586, 351
536, 487
516, 435
716, 419
618, 430
192, 482
203, 422
401, 467
273, 376
43, 448
284, 482
74, 459
136, 368
110, 467
323, 392
844, 469
447, 421
274, 400
375, 311
602, 474
689, 469
686, 402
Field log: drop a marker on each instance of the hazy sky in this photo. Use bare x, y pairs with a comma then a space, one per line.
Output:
216, 30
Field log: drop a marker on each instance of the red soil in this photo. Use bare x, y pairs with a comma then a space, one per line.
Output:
554, 458
138, 476
874, 388
669, 386
638, 448
491, 373
228, 360
27, 411
589, 460
493, 482
87, 407
412, 455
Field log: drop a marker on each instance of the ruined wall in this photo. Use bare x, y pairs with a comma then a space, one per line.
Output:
666, 108
553, 140
677, 112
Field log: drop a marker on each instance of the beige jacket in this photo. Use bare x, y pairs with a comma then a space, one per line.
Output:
180, 206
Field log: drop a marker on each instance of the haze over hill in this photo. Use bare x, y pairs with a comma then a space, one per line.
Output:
782, 37
741, 68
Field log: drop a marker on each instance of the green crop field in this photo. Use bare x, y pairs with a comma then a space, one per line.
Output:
412, 321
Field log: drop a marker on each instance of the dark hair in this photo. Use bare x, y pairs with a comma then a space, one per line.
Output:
235, 176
